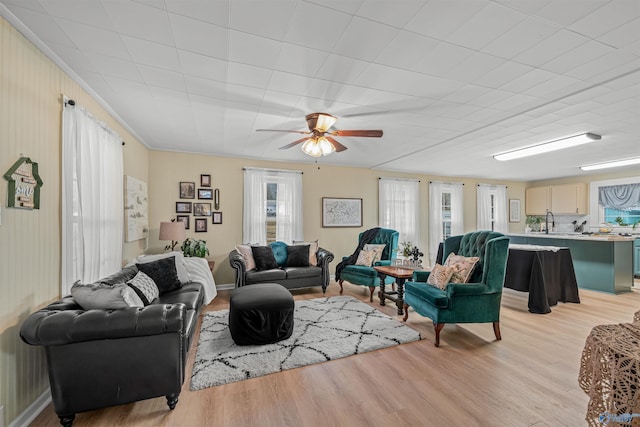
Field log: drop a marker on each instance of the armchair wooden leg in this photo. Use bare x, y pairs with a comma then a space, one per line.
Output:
340, 283
371, 289
406, 312
496, 330
438, 327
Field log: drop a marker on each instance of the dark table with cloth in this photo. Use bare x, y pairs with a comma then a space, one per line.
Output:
546, 272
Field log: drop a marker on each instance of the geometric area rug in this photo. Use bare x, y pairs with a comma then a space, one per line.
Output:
324, 329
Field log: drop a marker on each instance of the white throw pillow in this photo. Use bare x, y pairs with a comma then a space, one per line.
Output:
377, 248
183, 275
104, 297
365, 258
247, 254
144, 287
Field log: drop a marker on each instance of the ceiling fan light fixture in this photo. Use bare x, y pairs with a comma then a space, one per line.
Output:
317, 147
558, 144
320, 121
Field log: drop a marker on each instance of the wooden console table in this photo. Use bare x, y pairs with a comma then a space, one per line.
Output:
609, 374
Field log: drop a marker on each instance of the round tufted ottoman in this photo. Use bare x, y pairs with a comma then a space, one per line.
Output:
260, 314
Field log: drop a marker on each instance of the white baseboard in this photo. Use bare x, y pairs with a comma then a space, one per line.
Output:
225, 286
28, 415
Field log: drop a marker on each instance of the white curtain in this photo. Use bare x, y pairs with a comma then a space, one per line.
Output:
289, 224
254, 221
492, 217
436, 218
92, 198
398, 206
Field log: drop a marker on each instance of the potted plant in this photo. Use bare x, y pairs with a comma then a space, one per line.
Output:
407, 247
195, 248
533, 223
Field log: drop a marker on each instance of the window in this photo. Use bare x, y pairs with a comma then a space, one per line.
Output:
445, 214
492, 208
398, 207
92, 198
613, 199
272, 206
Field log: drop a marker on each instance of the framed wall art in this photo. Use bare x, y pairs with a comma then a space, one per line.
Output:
216, 218
187, 190
205, 180
185, 219
202, 209
341, 212
201, 225
183, 207
136, 209
514, 210
205, 193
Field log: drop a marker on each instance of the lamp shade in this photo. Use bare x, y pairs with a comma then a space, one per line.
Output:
172, 230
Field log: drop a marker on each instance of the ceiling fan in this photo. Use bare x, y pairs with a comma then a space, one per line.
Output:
321, 141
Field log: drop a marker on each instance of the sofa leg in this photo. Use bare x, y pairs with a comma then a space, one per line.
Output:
340, 283
371, 289
406, 312
67, 420
438, 327
496, 330
172, 400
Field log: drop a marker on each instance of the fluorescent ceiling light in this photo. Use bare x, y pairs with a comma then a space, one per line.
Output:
614, 164
558, 144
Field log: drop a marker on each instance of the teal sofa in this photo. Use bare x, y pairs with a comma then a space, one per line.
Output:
367, 276
475, 302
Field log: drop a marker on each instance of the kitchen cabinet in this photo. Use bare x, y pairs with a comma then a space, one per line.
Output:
559, 199
569, 199
636, 257
537, 200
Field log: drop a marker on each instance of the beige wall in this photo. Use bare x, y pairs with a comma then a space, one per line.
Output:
167, 169
30, 125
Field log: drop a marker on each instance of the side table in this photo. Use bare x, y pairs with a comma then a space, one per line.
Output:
401, 274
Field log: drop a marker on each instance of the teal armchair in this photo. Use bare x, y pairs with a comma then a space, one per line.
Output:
367, 276
475, 302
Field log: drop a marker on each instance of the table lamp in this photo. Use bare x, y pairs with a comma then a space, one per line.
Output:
173, 231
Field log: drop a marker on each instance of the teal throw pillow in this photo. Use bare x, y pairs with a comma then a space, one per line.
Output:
280, 252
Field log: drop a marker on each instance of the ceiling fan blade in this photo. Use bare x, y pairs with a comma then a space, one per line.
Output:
339, 147
365, 133
294, 143
283, 130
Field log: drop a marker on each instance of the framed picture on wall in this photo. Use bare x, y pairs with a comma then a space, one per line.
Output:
183, 207
202, 209
201, 225
187, 190
216, 218
514, 210
341, 212
185, 219
205, 180
205, 193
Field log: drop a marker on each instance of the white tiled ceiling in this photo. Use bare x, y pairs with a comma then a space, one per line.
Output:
451, 82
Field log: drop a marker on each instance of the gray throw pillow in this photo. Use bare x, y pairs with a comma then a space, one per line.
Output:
298, 256
144, 287
264, 258
104, 297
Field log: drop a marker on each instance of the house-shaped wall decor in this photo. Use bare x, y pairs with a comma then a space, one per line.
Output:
24, 184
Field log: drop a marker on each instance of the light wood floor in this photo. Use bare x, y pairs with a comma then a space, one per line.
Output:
527, 379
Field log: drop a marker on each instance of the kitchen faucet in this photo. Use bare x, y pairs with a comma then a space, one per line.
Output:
546, 221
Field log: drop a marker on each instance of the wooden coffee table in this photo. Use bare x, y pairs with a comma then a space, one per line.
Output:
400, 274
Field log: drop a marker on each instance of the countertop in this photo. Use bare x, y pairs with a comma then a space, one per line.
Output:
576, 236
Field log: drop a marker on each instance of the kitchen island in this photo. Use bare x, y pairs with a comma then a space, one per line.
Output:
602, 262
